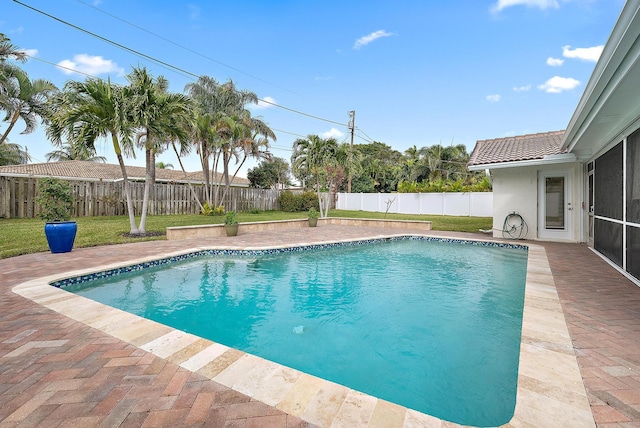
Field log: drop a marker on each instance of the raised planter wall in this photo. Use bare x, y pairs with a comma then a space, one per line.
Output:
214, 230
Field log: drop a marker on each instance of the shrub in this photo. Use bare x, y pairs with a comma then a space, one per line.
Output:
296, 203
440, 185
288, 202
208, 210
309, 200
230, 218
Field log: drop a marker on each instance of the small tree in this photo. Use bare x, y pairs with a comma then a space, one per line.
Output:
334, 177
270, 174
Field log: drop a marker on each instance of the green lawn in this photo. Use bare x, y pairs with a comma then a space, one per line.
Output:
25, 236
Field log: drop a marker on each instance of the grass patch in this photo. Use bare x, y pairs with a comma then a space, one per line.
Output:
26, 236
439, 222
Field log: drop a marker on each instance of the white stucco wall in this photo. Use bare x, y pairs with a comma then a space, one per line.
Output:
516, 189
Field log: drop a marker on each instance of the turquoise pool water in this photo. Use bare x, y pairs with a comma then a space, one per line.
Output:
432, 326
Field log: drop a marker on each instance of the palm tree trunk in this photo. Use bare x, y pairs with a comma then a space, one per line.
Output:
233, 177
193, 192
319, 196
204, 162
152, 195
148, 183
127, 188
216, 161
226, 159
14, 119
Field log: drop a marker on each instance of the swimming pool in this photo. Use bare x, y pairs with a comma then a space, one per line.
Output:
460, 383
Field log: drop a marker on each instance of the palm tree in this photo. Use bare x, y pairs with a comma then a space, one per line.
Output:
206, 142
163, 165
160, 116
446, 162
88, 110
74, 152
350, 160
8, 50
410, 164
249, 138
12, 154
310, 159
454, 160
225, 129
23, 98
205, 94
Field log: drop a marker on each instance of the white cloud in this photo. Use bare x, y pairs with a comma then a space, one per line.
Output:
558, 84
91, 65
365, 40
540, 4
585, 54
493, 98
332, 133
31, 52
262, 104
523, 88
554, 62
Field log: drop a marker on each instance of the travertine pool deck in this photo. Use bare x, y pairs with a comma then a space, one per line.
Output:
65, 361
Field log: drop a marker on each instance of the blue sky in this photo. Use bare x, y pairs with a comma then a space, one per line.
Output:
416, 72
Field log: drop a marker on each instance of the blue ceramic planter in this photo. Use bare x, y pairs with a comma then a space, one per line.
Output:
61, 235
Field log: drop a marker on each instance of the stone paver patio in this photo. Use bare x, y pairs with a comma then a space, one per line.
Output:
56, 371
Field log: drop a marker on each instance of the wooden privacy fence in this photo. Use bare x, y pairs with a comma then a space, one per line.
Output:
101, 198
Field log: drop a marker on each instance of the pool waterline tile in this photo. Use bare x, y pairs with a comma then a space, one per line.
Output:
320, 402
72, 280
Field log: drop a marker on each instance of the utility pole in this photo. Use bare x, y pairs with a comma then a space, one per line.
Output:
352, 127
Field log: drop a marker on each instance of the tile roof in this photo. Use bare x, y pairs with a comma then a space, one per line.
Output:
518, 148
102, 171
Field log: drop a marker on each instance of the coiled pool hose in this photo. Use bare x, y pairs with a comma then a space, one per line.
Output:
514, 226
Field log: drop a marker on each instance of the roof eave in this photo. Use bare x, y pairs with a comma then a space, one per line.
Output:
547, 160
62, 177
598, 88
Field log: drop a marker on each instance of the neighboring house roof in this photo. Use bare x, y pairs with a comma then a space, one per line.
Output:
86, 170
516, 150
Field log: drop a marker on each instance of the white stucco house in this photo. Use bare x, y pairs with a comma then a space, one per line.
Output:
581, 184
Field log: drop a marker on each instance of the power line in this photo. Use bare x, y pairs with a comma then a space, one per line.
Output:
290, 133
157, 61
371, 140
94, 77
302, 113
62, 66
365, 139
104, 39
287, 149
181, 46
